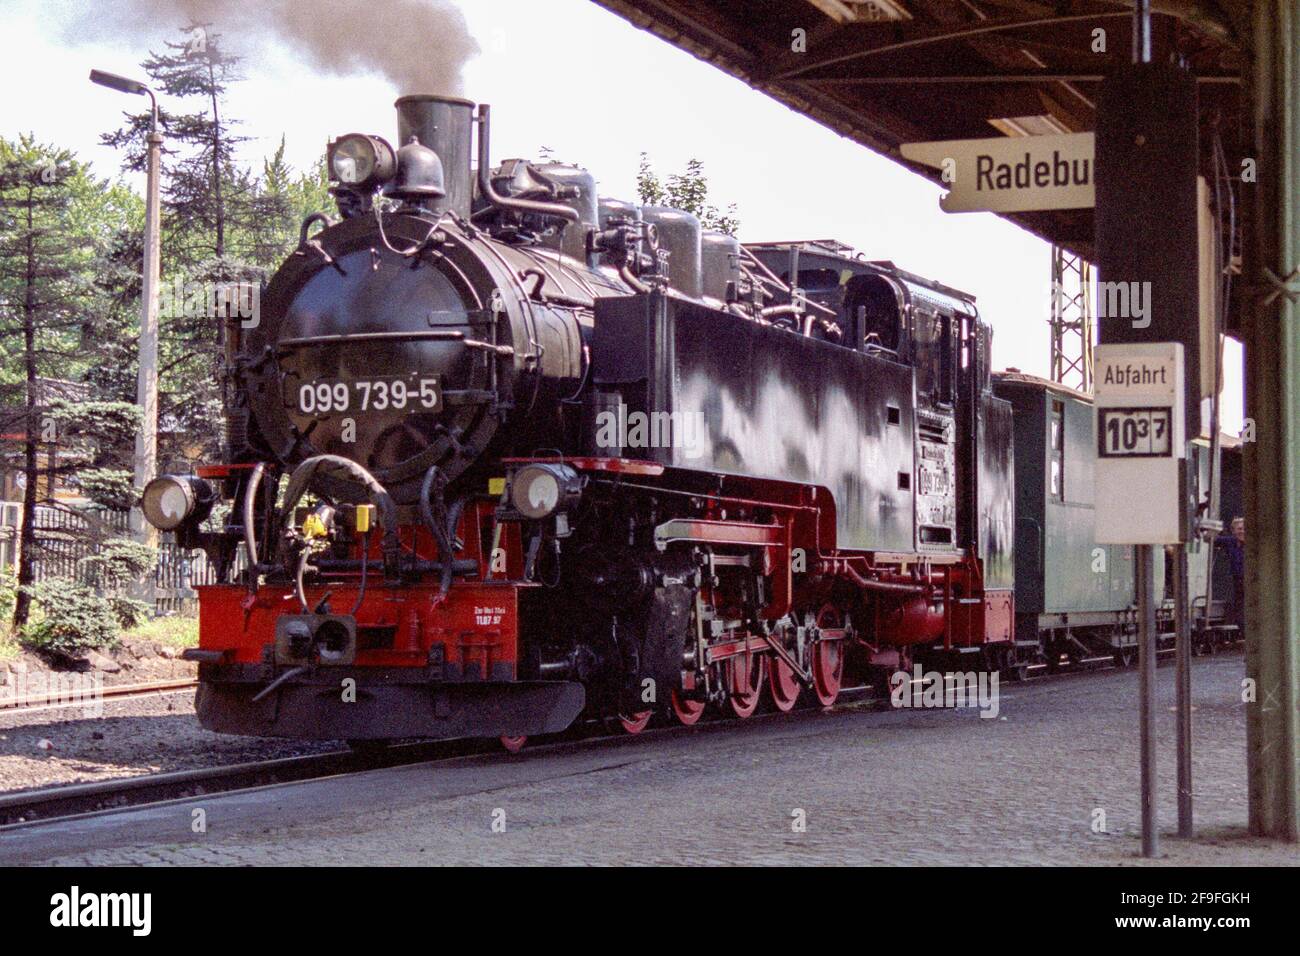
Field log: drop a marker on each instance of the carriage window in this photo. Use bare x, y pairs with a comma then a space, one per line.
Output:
1057, 451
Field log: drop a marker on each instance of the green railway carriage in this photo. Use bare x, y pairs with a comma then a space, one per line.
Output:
1075, 598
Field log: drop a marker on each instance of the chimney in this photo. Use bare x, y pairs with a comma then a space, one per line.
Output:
444, 124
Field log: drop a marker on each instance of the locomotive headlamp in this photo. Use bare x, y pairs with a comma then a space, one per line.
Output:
361, 161
538, 491
171, 500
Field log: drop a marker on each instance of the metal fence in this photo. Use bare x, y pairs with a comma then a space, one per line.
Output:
64, 537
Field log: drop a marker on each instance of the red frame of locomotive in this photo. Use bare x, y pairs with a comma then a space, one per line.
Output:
935, 599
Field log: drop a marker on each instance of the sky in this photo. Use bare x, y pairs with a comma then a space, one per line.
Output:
611, 93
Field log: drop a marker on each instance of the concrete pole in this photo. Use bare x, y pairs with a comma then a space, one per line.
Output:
146, 439
1271, 475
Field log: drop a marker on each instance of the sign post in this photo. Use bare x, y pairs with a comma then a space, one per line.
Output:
1141, 442
1141, 448
1146, 240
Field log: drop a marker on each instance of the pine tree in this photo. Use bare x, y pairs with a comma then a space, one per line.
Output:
214, 232
204, 198
287, 198
48, 257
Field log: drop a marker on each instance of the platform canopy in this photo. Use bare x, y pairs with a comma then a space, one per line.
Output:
887, 72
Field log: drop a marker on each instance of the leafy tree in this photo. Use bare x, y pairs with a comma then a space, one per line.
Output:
114, 488
687, 190
118, 565
70, 252
101, 435
648, 187
116, 221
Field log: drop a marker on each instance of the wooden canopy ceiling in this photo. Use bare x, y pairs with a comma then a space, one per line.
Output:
886, 72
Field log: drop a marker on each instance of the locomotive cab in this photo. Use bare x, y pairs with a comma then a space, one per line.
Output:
875, 314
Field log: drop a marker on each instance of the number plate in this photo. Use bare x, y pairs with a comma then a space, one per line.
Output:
409, 393
1134, 433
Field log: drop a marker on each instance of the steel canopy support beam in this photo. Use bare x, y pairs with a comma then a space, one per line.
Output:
1271, 476
1071, 321
942, 36
1022, 77
1193, 14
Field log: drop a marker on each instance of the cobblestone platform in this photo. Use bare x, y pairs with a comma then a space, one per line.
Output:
1031, 786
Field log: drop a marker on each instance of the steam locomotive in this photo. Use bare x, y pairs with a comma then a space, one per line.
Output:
502, 454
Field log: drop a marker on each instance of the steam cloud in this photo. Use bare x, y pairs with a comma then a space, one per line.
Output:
420, 45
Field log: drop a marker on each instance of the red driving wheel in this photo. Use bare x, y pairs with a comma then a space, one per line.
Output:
637, 722
782, 684
686, 711
513, 744
828, 659
745, 673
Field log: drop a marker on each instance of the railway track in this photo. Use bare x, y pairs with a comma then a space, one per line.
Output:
65, 802
66, 698
69, 801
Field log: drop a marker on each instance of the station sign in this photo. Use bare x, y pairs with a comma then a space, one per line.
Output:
1141, 443
1011, 173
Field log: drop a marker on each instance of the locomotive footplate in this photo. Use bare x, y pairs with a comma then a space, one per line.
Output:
383, 703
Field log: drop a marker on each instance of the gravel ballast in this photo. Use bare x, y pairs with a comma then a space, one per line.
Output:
111, 738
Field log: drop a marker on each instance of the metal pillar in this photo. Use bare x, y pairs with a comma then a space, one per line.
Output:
1272, 462
1142, 31
1147, 654
1148, 639
1183, 690
1071, 322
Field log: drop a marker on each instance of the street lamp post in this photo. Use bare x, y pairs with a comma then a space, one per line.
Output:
146, 439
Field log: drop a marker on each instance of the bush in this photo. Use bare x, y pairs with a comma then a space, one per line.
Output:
119, 563
8, 597
73, 618
129, 611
